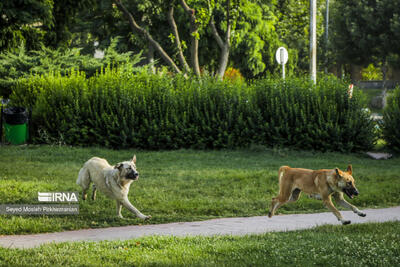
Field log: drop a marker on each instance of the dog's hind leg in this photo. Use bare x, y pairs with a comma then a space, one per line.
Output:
125, 202
94, 192
282, 199
295, 195
275, 204
278, 201
284, 193
341, 201
84, 181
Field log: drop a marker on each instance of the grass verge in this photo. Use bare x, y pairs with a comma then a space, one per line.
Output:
182, 185
363, 245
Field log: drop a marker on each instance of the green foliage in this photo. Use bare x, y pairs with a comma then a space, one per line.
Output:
233, 75
366, 31
293, 30
255, 40
65, 16
296, 114
371, 73
116, 108
253, 36
391, 121
18, 64
20, 22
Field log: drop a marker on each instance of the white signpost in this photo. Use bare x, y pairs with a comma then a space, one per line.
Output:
282, 57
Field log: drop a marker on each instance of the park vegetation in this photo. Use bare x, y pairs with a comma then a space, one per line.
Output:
51, 47
391, 121
180, 185
121, 108
367, 244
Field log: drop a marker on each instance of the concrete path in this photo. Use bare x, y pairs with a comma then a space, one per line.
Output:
225, 226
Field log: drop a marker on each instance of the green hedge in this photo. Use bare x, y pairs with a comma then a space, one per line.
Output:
117, 108
391, 121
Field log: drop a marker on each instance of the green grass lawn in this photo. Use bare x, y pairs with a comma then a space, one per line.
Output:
352, 245
182, 185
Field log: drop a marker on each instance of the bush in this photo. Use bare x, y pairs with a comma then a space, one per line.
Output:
391, 121
233, 75
297, 114
371, 73
19, 64
118, 108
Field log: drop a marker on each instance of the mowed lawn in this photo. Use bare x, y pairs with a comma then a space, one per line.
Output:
350, 245
182, 185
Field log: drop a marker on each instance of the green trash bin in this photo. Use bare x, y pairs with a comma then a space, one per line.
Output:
15, 125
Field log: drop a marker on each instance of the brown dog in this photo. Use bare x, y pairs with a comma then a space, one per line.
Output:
319, 184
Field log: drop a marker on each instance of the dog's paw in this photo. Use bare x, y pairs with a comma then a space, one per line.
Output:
344, 222
362, 214
147, 217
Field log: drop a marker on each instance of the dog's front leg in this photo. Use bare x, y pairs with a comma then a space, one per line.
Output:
341, 201
134, 210
94, 192
328, 203
119, 208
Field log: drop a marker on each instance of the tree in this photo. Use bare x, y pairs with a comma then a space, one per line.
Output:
64, 12
198, 18
366, 32
255, 40
293, 29
22, 21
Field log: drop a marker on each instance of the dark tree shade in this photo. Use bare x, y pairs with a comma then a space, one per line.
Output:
21, 22
366, 31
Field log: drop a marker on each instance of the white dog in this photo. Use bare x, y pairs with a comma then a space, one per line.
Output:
114, 182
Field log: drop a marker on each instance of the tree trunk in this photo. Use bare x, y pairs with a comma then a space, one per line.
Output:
224, 48
135, 27
178, 44
194, 38
150, 58
224, 45
223, 61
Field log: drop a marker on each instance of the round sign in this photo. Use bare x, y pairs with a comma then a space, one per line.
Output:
281, 55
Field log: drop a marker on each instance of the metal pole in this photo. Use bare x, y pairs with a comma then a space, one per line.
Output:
326, 35
283, 71
283, 63
313, 40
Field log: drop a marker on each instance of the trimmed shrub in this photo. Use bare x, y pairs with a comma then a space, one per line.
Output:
118, 108
295, 113
391, 121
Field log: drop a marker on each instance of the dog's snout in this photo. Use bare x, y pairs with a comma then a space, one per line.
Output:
132, 174
355, 192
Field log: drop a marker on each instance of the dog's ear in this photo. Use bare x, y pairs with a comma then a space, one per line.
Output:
337, 172
118, 166
134, 159
350, 169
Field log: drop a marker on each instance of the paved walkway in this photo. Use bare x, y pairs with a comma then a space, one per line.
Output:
225, 226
